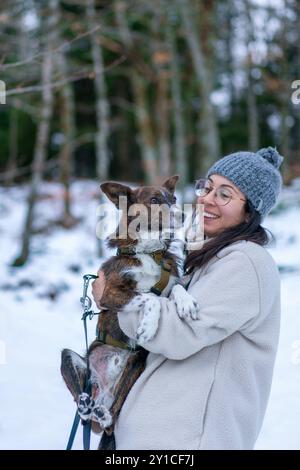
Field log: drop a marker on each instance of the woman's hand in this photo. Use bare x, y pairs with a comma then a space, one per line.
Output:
98, 287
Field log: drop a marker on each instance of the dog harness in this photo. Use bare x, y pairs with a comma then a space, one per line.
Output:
158, 257
105, 338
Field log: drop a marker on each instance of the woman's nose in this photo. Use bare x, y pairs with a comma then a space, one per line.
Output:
208, 199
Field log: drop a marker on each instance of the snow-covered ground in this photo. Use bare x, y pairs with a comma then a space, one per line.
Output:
40, 314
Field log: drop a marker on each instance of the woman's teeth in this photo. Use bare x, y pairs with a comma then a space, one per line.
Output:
211, 216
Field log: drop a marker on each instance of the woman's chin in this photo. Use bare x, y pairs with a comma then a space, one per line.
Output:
209, 232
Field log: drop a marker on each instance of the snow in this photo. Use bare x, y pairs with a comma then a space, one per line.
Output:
41, 314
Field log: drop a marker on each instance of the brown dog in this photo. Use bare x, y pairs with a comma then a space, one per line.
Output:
143, 263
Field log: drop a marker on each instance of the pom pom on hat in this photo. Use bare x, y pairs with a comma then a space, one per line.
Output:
271, 155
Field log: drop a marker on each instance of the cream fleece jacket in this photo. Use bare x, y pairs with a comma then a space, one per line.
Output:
207, 382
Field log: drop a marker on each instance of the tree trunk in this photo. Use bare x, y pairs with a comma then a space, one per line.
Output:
161, 63
13, 145
102, 105
123, 139
209, 131
42, 137
67, 116
229, 15
24, 45
253, 118
297, 124
146, 138
289, 138
163, 124
178, 112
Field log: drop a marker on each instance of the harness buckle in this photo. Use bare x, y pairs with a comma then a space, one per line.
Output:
155, 291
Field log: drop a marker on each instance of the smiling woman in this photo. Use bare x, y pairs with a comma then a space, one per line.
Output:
208, 376
239, 191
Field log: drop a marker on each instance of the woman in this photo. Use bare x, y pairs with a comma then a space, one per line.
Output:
207, 381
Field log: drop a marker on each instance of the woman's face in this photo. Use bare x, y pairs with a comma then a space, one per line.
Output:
226, 216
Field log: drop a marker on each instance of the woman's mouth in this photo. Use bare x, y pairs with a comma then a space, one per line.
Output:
210, 216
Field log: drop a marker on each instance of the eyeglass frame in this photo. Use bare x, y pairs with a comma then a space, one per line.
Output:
215, 189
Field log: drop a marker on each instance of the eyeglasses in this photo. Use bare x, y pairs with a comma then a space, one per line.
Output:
223, 195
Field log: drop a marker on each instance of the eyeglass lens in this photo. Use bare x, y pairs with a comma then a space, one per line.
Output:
204, 187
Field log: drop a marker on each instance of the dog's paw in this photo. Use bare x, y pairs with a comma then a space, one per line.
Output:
85, 406
186, 305
149, 307
102, 416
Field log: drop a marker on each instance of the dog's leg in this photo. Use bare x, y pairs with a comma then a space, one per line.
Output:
148, 306
102, 416
134, 367
73, 370
86, 405
107, 364
185, 303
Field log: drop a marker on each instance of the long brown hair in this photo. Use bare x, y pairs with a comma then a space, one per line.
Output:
251, 231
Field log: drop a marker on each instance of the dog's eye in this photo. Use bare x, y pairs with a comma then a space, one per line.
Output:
154, 200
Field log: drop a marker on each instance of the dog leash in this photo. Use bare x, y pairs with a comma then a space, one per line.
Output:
87, 312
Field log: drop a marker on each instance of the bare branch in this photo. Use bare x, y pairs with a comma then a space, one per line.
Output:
12, 174
25, 107
60, 83
60, 48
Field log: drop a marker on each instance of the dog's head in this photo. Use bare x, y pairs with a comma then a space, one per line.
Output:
145, 209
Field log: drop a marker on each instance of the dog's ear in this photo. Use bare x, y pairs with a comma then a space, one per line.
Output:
170, 183
114, 190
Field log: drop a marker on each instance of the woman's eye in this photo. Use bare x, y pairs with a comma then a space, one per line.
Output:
225, 195
154, 200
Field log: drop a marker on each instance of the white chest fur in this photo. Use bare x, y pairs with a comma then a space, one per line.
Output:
147, 274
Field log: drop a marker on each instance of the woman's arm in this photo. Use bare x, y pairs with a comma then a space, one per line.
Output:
228, 296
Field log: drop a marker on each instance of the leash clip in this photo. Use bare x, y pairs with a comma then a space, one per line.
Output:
85, 299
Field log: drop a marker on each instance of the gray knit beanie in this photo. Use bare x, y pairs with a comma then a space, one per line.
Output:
255, 174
